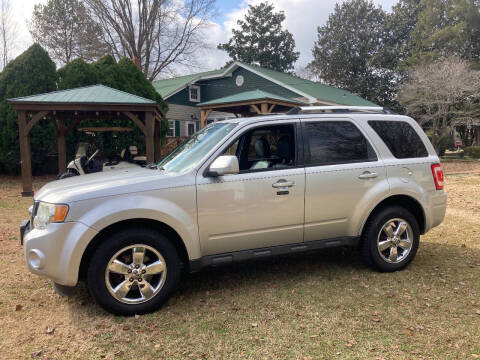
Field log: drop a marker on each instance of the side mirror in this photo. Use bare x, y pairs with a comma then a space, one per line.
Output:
224, 165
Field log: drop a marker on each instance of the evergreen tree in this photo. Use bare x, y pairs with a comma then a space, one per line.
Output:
33, 72
261, 40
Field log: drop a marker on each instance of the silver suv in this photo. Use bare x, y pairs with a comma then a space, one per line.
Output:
241, 189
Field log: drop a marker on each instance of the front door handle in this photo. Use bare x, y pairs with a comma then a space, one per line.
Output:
283, 183
368, 175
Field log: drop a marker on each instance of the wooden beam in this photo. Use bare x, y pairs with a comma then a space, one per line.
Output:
204, 116
73, 124
25, 155
149, 141
270, 108
35, 118
264, 108
157, 138
137, 121
62, 144
255, 109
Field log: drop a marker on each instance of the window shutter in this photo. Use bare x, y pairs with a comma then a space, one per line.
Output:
177, 128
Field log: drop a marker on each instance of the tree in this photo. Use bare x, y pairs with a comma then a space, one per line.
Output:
33, 72
261, 39
122, 75
66, 29
156, 34
441, 95
7, 31
344, 54
446, 28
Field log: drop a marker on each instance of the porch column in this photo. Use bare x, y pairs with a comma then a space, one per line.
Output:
149, 134
25, 155
203, 117
62, 145
157, 138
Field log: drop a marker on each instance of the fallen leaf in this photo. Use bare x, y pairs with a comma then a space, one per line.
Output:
477, 312
409, 332
313, 336
376, 319
137, 316
126, 327
157, 346
254, 325
37, 353
18, 307
50, 330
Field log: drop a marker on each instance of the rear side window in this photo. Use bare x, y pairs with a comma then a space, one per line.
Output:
335, 142
401, 139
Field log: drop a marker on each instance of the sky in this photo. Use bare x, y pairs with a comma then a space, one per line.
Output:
302, 19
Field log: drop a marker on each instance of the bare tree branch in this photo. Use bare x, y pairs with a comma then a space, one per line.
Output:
156, 33
8, 30
442, 95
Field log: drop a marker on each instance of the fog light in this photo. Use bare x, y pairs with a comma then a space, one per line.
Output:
36, 259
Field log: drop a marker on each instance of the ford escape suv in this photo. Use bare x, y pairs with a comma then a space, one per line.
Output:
241, 189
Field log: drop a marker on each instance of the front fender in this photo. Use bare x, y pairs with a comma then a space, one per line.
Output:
179, 214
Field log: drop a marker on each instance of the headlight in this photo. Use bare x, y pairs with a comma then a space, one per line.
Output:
48, 213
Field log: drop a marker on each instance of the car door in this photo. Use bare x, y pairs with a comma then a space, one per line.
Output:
262, 205
343, 173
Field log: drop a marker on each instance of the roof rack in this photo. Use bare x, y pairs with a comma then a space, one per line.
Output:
337, 109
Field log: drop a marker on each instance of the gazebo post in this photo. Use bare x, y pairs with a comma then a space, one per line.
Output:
25, 156
157, 137
62, 144
149, 130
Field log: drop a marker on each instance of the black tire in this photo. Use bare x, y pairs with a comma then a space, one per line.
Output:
97, 282
369, 250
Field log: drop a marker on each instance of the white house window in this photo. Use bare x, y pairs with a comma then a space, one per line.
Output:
171, 128
194, 93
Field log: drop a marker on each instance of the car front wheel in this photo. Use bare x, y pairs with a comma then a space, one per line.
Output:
133, 272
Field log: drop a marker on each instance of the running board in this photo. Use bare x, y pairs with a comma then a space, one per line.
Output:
259, 253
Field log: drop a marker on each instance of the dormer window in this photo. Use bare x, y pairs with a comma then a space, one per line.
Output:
194, 93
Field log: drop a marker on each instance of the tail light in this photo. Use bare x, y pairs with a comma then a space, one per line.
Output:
437, 173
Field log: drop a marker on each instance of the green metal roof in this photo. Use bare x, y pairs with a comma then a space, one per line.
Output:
317, 90
94, 94
248, 96
167, 86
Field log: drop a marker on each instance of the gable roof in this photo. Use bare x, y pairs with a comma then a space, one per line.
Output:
311, 90
94, 94
248, 96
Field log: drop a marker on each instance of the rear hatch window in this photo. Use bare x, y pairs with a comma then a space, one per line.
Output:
401, 138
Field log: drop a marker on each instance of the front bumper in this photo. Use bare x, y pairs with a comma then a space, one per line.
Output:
56, 251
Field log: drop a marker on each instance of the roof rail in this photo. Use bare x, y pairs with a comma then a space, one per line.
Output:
336, 109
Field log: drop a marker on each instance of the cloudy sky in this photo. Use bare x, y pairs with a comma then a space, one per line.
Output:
302, 19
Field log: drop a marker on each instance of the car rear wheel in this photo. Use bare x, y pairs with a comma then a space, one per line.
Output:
133, 272
390, 239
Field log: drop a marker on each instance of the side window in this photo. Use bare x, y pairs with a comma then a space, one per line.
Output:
335, 142
266, 147
401, 138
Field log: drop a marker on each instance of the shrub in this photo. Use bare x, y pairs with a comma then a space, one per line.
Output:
472, 151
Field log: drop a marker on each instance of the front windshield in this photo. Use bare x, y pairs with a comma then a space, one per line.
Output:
188, 154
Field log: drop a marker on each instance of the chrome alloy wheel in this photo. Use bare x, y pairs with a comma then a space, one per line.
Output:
135, 274
395, 240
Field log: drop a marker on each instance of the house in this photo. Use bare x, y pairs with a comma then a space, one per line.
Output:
241, 90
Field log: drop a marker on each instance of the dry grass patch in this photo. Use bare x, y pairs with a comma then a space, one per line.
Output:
321, 306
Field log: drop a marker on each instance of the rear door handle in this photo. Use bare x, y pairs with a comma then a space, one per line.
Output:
368, 175
283, 183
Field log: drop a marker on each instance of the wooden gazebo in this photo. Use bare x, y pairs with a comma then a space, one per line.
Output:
248, 103
69, 107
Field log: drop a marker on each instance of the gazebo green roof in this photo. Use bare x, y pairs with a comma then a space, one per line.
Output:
248, 96
94, 94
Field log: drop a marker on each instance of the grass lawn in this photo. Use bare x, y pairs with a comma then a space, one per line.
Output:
317, 306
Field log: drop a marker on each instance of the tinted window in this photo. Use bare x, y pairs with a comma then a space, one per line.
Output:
401, 138
336, 142
267, 147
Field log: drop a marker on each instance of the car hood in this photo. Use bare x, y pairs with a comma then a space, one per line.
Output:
110, 183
